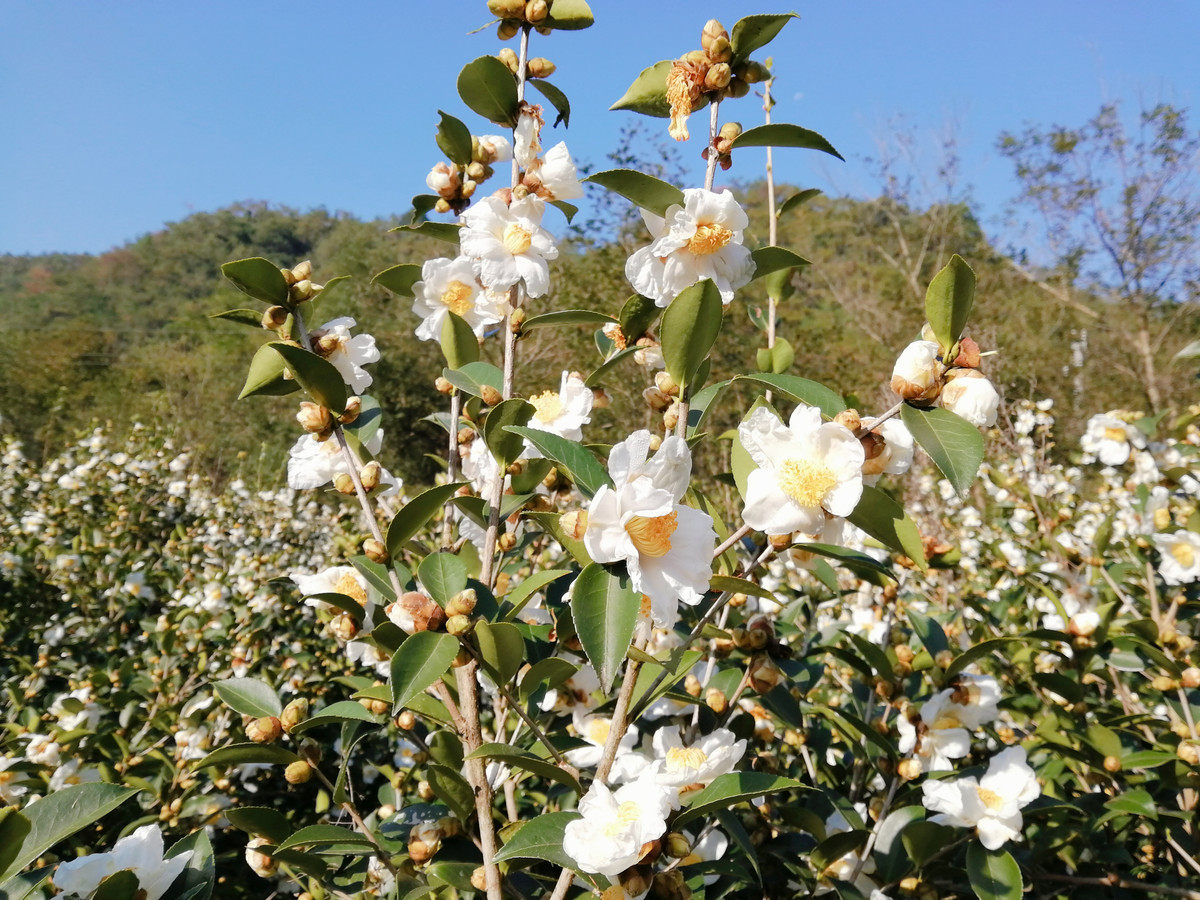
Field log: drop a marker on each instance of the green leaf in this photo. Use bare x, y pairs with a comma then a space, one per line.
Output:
399, 279
780, 357
14, 828
994, 874
860, 564
421, 660
452, 789
319, 835
566, 317
549, 522
556, 98
575, 459
241, 316
753, 32
739, 586
488, 87
58, 816
885, 520
502, 649
443, 575
978, 652
784, 135
648, 93
413, 516
540, 838
120, 885
248, 696
775, 259
638, 316
835, 846
1137, 802
569, 15
923, 840
335, 714
953, 443
266, 375
239, 754
527, 762
551, 671
643, 190
802, 390
439, 231
929, 632
261, 821
689, 329
319, 377
731, 788
569, 210
1190, 351
797, 200
454, 139
506, 447
948, 301
608, 367
200, 872
605, 608
258, 277
460, 346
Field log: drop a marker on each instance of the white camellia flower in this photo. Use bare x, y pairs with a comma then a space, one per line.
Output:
896, 456
508, 244
616, 825
595, 730
443, 180
969, 394
640, 520
1180, 551
140, 853
805, 469
496, 147
449, 286
947, 721
527, 136
991, 804
10, 791
701, 239
563, 412
480, 468
313, 463
72, 772
336, 580
556, 171
1110, 440
1156, 512
915, 375
348, 354
680, 766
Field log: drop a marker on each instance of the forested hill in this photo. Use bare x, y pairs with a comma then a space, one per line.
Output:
125, 336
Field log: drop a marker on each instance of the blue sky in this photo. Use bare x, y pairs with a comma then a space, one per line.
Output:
120, 116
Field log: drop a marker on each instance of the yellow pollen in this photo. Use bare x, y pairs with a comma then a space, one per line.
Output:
457, 297
349, 586
1115, 434
946, 721
652, 536
685, 758
629, 812
516, 239
1184, 554
806, 482
1162, 518
709, 238
598, 730
6, 777
990, 799
547, 406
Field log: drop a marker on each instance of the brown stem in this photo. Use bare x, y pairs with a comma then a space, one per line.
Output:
619, 723
1114, 880
472, 737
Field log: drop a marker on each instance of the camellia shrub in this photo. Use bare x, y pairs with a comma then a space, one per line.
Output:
580, 665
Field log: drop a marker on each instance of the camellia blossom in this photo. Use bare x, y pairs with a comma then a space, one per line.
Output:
449, 286
563, 412
557, 174
896, 456
495, 148
969, 394
507, 243
617, 825
527, 136
805, 469
1180, 551
1109, 439
991, 804
640, 520
313, 463
917, 371
140, 853
680, 766
947, 721
701, 239
336, 580
348, 354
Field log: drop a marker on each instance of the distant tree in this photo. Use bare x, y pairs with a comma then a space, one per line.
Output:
1120, 211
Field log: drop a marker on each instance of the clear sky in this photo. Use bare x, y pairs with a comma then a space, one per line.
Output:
118, 116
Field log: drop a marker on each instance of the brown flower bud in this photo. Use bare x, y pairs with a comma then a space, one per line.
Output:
415, 612
1112, 764
717, 77
490, 395
656, 399
293, 714
264, 730
849, 418
298, 772
1190, 678
536, 11
1188, 752
540, 67
506, 541
968, 354
275, 317
314, 418
461, 659
1164, 683
344, 627
780, 541
370, 474
442, 386
909, 768
764, 674
713, 29
352, 411
716, 700
462, 603
600, 399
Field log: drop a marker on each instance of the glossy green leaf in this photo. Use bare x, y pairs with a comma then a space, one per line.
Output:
835, 846
929, 632
783, 135
1136, 801
336, 714
442, 575
241, 754
266, 375
413, 515
638, 315
540, 838
978, 652
452, 789
575, 459
200, 874
120, 885
861, 564
885, 520
454, 139
261, 821
605, 608
752, 32
779, 284
781, 356
797, 200
370, 418
460, 346
14, 828
953, 443
689, 329
775, 259
643, 190
319, 377
241, 317
608, 369
422, 659
731, 788
801, 390
527, 762
59, 815
259, 278
439, 231
550, 672
648, 93
506, 447
569, 210
377, 576
923, 840
488, 88
502, 649
739, 586
569, 15
566, 317
994, 874
321, 835
948, 301
248, 696
399, 279
556, 98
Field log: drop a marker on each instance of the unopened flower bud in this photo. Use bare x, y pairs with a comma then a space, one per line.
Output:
671, 416
780, 541
506, 9
352, 411
637, 880
506, 541
713, 29
479, 880
910, 884
574, 523
375, 551
717, 77
540, 67
369, 476
655, 442
753, 72
343, 483
665, 383
1188, 752
264, 730
458, 625
490, 395
374, 707
764, 674
516, 319
849, 418
943, 659
468, 188
509, 57
715, 699
461, 659
1190, 678
909, 768
415, 612
406, 720
477, 171
298, 772
262, 864
344, 627
1164, 683
462, 603
600, 399
656, 399
536, 11
968, 354
293, 714
303, 271
425, 790
737, 88
730, 131
314, 418
442, 205
1112, 764
466, 434
301, 290
720, 50
275, 317
442, 386
676, 845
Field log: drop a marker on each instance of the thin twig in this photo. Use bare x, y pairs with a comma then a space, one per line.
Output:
1115, 880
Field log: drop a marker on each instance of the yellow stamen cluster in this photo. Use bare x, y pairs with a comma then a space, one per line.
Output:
1184, 554
547, 406
709, 238
1115, 434
652, 536
516, 239
457, 297
806, 482
680, 758
350, 586
990, 799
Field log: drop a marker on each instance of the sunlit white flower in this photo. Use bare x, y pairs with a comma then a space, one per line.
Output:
72, 772
805, 469
681, 766
86, 714
508, 244
557, 174
896, 456
700, 239
480, 468
495, 147
640, 520
1180, 563
969, 394
576, 691
595, 730
313, 464
10, 789
348, 354
1109, 439
443, 180
345, 580
527, 136
1156, 512
616, 825
449, 285
140, 853
991, 804
917, 370
948, 720
563, 412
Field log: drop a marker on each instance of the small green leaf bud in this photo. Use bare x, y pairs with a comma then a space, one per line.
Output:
264, 730
298, 772
274, 318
